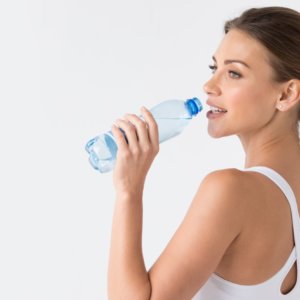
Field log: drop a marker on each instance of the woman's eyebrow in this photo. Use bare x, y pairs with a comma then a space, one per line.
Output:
230, 61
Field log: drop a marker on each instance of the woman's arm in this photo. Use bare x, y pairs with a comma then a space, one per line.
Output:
213, 221
127, 275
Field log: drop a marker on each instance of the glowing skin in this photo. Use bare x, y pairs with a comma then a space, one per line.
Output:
228, 199
250, 97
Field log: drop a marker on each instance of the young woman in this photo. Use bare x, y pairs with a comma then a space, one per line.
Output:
240, 238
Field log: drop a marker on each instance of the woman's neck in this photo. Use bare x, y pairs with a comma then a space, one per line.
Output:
277, 151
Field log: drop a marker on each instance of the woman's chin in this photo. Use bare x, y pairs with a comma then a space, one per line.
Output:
216, 134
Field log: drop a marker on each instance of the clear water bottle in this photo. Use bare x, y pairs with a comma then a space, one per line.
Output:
171, 116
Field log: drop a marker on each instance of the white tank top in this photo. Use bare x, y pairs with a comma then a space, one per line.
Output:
217, 288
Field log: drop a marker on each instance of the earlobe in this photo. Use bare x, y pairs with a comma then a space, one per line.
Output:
280, 106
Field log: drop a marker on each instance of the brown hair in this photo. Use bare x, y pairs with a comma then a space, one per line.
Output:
277, 29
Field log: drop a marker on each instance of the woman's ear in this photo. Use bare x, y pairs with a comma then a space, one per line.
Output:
290, 95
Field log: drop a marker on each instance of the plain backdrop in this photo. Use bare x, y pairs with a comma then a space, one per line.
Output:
68, 69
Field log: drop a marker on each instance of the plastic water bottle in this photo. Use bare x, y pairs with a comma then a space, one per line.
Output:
171, 116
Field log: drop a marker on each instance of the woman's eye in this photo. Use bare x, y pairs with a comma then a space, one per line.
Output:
234, 75
213, 68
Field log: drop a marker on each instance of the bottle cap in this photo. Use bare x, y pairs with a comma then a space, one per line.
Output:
194, 106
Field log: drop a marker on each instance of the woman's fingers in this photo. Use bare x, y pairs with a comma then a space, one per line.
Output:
130, 132
119, 136
142, 134
141, 129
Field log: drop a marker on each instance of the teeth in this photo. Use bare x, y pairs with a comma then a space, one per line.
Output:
215, 109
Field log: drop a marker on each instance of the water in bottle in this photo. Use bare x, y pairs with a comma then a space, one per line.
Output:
171, 116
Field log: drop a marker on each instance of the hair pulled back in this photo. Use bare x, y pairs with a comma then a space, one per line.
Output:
278, 29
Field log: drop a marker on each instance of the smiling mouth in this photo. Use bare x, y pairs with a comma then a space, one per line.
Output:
217, 110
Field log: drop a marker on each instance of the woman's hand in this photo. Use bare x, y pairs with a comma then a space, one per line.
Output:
135, 157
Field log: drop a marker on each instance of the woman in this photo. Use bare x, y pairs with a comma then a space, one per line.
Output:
241, 235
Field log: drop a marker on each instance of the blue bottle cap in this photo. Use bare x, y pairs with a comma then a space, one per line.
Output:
194, 106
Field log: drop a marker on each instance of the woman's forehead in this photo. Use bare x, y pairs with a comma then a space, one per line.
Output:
239, 45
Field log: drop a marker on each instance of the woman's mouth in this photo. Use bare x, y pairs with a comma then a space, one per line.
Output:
215, 112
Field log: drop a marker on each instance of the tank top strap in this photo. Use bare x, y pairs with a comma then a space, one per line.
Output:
282, 273
289, 194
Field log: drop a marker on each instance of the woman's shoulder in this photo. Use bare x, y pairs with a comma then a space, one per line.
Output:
229, 178
231, 185
222, 200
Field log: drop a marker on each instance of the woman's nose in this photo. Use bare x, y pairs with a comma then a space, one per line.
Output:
211, 87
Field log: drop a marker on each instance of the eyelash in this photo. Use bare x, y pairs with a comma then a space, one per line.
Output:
214, 68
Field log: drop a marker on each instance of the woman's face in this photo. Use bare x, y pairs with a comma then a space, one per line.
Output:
241, 84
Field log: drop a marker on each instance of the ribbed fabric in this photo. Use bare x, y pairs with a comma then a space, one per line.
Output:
217, 288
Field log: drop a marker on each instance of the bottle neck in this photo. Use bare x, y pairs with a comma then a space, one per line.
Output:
194, 106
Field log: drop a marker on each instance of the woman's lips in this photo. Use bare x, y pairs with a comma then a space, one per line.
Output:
213, 115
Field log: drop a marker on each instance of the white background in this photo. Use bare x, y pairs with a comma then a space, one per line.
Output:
68, 69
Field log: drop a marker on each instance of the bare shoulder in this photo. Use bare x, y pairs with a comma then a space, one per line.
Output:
213, 221
230, 175
227, 190
229, 182
230, 189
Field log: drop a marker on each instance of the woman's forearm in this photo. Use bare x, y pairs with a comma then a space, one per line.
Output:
127, 275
